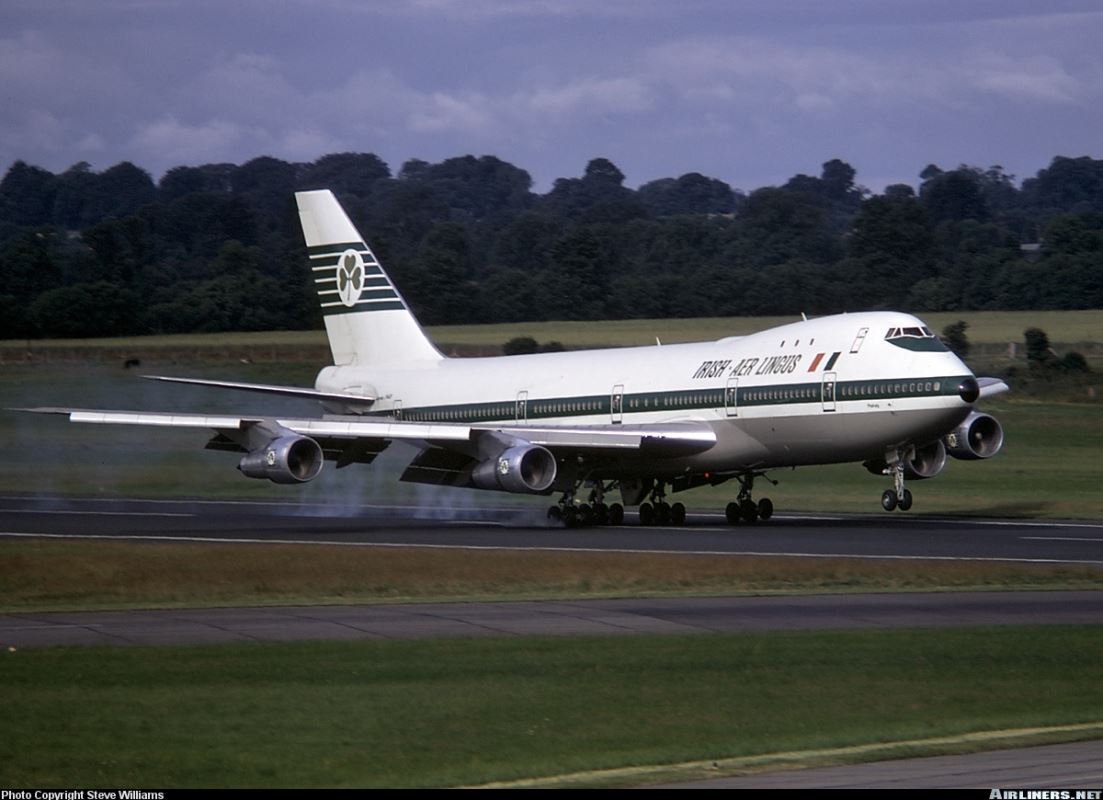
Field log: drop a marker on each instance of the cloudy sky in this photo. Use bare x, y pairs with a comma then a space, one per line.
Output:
748, 91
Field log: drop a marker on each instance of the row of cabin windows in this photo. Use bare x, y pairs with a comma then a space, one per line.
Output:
811, 392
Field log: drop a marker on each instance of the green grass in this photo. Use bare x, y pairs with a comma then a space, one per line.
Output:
985, 327
40, 575
453, 712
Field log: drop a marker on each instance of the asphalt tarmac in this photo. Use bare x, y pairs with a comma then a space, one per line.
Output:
881, 535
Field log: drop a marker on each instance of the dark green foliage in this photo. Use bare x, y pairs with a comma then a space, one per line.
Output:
1038, 351
218, 246
519, 346
953, 336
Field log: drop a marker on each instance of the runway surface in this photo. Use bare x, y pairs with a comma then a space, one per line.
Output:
566, 617
1059, 766
882, 536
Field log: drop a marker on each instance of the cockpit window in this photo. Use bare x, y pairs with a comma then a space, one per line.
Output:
918, 339
915, 333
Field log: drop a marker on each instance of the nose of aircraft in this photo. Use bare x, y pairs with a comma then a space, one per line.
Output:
969, 390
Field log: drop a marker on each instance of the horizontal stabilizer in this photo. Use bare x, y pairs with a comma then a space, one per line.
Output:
265, 388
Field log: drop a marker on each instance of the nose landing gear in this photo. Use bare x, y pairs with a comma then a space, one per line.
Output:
897, 497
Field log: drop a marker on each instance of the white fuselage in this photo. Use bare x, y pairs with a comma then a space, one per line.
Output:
833, 389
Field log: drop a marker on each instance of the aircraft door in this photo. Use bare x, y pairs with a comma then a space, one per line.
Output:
731, 398
396, 409
616, 404
861, 337
828, 391
521, 410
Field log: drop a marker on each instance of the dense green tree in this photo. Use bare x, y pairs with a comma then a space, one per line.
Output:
692, 193
954, 337
218, 246
86, 310
344, 173
954, 196
27, 195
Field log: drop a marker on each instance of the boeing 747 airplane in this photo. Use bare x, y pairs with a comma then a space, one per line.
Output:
875, 388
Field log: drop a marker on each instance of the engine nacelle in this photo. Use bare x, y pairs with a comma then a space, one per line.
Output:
286, 459
979, 436
927, 461
524, 468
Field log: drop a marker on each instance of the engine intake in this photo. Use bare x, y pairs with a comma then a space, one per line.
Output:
927, 462
524, 468
979, 436
286, 459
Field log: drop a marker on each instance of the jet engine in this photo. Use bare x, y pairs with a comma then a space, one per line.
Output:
523, 467
979, 436
285, 459
926, 462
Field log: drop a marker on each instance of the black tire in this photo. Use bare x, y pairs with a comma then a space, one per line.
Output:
647, 514
748, 511
732, 513
765, 509
905, 503
585, 515
888, 500
662, 514
601, 514
678, 514
616, 514
555, 514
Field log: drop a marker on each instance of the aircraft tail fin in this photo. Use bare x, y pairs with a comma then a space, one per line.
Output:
367, 321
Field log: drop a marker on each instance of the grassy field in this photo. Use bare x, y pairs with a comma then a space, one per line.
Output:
446, 713
44, 575
985, 327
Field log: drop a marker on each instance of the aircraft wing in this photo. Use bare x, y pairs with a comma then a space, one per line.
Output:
355, 438
658, 440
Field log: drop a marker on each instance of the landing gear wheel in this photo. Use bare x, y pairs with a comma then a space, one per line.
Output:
765, 509
748, 511
616, 514
731, 512
555, 514
678, 514
571, 517
662, 514
601, 514
585, 515
888, 500
647, 514
905, 501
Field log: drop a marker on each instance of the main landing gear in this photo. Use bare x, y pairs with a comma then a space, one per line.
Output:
593, 512
658, 512
743, 510
897, 497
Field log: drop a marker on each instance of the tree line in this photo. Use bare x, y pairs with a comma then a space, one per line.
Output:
218, 247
